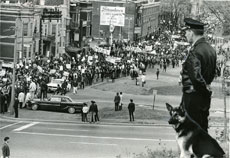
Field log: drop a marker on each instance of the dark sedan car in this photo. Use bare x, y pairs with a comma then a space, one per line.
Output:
57, 103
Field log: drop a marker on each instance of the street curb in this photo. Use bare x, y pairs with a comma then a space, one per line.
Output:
100, 123
79, 122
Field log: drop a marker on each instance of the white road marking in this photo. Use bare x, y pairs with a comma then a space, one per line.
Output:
26, 126
10, 125
86, 143
97, 137
125, 125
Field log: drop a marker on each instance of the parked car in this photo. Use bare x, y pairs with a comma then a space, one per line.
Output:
52, 86
57, 103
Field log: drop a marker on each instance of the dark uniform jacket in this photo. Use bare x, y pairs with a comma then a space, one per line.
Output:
198, 70
131, 107
5, 150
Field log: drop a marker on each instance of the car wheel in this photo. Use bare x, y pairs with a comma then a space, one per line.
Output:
71, 110
34, 107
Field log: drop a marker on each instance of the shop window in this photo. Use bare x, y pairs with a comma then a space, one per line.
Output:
25, 29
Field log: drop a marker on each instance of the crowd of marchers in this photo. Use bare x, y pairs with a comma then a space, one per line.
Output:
89, 67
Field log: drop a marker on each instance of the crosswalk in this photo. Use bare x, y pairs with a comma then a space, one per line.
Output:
25, 126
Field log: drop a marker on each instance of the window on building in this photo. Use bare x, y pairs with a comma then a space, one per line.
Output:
53, 29
25, 29
45, 30
88, 17
31, 29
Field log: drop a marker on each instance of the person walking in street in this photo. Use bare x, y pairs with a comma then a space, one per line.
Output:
92, 110
43, 89
198, 72
21, 99
28, 100
157, 73
121, 102
85, 110
64, 87
6, 148
143, 79
16, 102
96, 113
32, 89
58, 90
75, 85
131, 108
117, 100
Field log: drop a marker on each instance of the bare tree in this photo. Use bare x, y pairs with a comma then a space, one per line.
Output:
178, 9
220, 11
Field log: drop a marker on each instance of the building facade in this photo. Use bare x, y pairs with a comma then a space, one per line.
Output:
17, 19
140, 19
54, 33
80, 23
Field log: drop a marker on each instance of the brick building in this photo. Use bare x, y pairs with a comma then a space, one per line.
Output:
141, 19
20, 17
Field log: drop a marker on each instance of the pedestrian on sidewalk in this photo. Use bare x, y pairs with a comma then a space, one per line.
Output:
117, 100
96, 113
16, 102
85, 111
92, 110
157, 73
21, 99
6, 148
131, 108
121, 102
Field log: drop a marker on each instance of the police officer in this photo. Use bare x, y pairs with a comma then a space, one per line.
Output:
198, 71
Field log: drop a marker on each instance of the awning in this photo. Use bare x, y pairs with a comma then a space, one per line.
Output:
72, 49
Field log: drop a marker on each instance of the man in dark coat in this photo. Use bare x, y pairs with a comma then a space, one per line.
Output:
93, 110
64, 87
2, 100
43, 89
6, 148
131, 108
117, 100
16, 103
198, 71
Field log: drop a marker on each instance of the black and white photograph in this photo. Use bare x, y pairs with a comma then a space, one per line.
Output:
114, 78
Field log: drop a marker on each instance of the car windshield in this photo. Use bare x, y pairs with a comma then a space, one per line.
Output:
55, 99
64, 99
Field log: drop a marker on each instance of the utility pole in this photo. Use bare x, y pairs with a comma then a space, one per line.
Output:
225, 101
14, 69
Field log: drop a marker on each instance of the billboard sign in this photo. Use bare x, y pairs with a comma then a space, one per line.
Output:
112, 16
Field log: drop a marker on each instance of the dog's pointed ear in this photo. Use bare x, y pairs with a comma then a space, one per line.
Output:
169, 107
181, 109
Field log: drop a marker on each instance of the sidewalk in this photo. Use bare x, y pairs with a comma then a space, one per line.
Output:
28, 115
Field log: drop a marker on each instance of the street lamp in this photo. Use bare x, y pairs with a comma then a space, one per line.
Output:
112, 26
14, 62
111, 29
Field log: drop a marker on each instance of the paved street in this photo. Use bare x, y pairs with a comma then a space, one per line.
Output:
55, 134
44, 139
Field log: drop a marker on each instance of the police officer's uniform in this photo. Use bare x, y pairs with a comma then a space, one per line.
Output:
198, 71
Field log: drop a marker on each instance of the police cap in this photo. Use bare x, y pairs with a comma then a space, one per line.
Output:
193, 24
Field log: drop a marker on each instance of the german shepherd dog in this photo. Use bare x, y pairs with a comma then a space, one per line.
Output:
192, 140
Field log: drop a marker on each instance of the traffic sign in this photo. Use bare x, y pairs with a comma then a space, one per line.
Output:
111, 28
